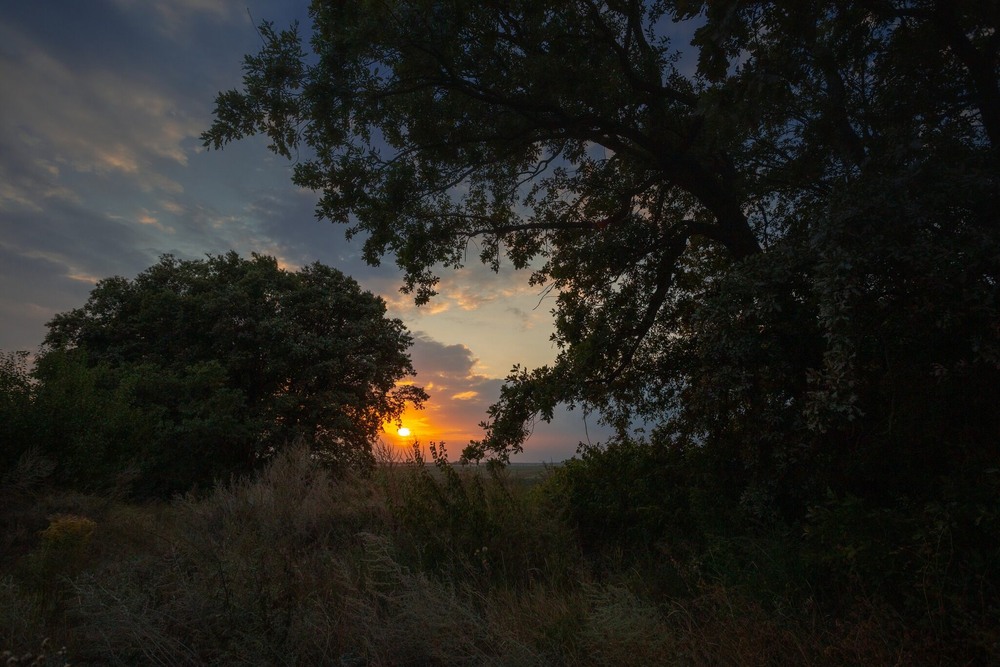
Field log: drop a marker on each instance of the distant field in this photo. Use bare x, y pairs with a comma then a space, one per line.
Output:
526, 473
531, 471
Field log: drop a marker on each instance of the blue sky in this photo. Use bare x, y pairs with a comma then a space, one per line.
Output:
102, 171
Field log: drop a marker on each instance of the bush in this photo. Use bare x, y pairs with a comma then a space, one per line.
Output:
469, 522
16, 418
936, 563
88, 420
628, 495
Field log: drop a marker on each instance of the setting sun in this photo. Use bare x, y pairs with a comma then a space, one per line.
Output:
403, 432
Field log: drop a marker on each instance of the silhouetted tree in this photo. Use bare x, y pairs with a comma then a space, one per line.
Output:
224, 361
771, 226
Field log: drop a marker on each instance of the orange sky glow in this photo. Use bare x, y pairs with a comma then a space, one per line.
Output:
431, 424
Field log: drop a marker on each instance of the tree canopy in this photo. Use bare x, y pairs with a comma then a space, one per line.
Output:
217, 364
771, 225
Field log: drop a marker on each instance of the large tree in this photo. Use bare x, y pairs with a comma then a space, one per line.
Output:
772, 226
224, 360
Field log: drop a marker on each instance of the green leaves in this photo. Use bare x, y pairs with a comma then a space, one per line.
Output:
273, 79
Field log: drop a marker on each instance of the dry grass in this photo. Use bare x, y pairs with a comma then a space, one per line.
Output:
297, 567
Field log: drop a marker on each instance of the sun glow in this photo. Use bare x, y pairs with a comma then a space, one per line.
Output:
412, 426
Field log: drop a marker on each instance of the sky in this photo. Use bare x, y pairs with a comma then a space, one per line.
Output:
102, 171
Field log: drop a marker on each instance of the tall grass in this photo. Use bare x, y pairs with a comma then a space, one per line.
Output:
419, 564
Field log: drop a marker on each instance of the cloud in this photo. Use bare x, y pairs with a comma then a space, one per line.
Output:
26, 183
44, 286
447, 361
173, 17
472, 289
88, 121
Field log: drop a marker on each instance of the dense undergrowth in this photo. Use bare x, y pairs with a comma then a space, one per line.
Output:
422, 563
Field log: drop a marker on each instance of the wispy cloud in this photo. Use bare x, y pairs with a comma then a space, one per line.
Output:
174, 16
89, 119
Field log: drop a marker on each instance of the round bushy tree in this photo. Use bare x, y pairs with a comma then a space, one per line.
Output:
230, 359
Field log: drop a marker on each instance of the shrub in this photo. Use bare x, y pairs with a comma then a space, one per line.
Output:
16, 418
935, 563
471, 522
89, 422
627, 495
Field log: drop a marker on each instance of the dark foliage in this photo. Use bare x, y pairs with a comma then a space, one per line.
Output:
198, 370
